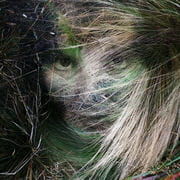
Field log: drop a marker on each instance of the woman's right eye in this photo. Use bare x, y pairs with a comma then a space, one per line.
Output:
65, 60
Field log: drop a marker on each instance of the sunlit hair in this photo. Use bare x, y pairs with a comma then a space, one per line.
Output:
131, 63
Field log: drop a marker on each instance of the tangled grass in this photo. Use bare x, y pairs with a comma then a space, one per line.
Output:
89, 89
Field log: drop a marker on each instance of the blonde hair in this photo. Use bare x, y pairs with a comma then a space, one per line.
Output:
133, 50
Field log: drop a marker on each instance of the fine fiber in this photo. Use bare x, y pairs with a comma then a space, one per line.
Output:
90, 89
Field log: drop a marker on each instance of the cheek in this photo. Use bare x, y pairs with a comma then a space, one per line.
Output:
56, 76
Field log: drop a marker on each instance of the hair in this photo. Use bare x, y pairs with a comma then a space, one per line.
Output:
103, 97
131, 64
